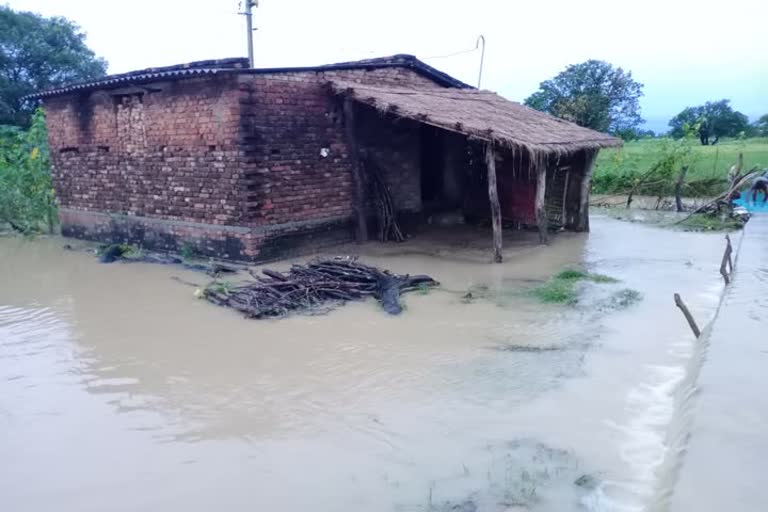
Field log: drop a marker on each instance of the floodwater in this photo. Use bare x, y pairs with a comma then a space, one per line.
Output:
723, 466
122, 392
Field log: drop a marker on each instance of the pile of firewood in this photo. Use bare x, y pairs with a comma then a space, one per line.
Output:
314, 287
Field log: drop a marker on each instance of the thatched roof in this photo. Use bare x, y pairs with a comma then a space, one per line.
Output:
479, 114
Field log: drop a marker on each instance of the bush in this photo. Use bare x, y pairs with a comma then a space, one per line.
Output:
27, 200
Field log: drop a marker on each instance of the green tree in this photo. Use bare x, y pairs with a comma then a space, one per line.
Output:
711, 121
593, 94
760, 127
26, 191
38, 53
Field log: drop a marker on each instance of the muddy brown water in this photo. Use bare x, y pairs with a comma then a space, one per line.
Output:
122, 392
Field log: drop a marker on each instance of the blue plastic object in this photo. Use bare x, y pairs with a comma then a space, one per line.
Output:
757, 206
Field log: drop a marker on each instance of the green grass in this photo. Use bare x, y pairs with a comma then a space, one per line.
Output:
615, 167
561, 289
707, 222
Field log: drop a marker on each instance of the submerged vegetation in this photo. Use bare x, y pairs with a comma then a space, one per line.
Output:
672, 220
108, 253
621, 299
561, 289
709, 222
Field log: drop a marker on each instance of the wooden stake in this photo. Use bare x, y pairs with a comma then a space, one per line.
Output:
541, 212
586, 181
691, 322
358, 199
493, 196
727, 260
679, 188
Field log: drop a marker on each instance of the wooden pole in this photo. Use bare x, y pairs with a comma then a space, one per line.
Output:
564, 215
493, 196
541, 212
691, 322
358, 193
586, 181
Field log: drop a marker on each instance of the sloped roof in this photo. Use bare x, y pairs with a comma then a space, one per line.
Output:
480, 114
188, 70
240, 65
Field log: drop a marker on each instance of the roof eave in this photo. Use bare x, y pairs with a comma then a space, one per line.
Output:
235, 66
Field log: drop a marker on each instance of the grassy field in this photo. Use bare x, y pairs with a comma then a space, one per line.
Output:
709, 161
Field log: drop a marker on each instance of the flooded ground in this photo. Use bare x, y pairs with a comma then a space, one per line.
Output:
122, 392
723, 466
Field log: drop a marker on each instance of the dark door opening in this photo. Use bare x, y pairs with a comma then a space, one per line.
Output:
432, 148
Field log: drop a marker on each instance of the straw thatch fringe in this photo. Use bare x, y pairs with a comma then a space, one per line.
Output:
481, 115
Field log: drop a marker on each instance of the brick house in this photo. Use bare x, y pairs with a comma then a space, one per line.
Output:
254, 164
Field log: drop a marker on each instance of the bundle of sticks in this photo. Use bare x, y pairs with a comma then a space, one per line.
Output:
389, 228
314, 287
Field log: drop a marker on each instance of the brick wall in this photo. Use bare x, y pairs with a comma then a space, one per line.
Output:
181, 160
169, 150
394, 147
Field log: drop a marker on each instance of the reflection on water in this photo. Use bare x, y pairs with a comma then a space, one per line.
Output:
122, 392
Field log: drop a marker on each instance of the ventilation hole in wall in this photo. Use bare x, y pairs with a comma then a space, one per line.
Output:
69, 149
275, 151
212, 147
103, 149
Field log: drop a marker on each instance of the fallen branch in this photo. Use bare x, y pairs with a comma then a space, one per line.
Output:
691, 322
727, 262
737, 181
317, 285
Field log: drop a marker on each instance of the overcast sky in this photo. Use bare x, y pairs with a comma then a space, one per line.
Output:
685, 52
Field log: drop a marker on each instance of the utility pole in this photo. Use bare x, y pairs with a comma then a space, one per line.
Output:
480, 39
249, 5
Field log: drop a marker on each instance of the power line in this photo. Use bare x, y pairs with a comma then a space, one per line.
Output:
451, 54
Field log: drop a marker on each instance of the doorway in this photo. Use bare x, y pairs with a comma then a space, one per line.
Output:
432, 167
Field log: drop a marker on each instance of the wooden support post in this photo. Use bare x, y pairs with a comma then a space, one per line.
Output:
493, 196
586, 182
361, 226
541, 212
691, 322
564, 214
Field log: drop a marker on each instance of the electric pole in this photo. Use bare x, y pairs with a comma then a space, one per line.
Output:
480, 39
249, 5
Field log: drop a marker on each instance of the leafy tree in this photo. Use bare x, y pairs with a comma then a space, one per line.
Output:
711, 121
37, 53
635, 134
760, 127
592, 94
26, 191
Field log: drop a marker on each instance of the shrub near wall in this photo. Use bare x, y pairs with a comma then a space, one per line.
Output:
27, 200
